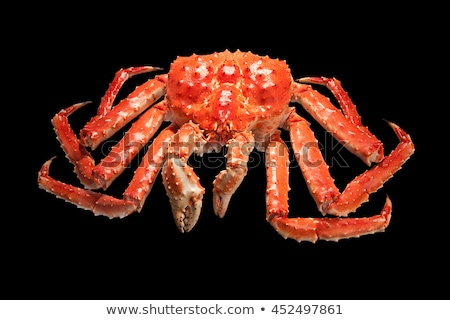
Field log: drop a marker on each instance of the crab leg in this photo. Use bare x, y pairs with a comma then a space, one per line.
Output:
102, 204
120, 156
99, 204
277, 172
358, 190
228, 180
128, 147
121, 76
308, 229
180, 181
75, 152
334, 85
356, 138
145, 175
321, 184
102, 127
331, 229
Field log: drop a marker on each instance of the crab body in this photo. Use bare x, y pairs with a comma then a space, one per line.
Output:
230, 92
240, 100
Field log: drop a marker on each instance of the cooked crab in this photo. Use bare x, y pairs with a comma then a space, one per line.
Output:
239, 100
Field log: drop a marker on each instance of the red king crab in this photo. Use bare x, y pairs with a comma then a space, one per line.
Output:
234, 99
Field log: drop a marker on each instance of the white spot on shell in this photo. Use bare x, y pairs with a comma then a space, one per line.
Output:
225, 97
138, 136
202, 70
255, 71
229, 70
122, 114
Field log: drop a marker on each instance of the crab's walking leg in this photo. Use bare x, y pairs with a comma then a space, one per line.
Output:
75, 152
321, 184
358, 190
308, 229
145, 175
344, 127
102, 175
180, 181
228, 180
102, 127
332, 229
334, 85
101, 204
121, 76
96, 202
277, 172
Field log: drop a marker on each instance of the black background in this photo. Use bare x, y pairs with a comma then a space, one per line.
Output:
54, 250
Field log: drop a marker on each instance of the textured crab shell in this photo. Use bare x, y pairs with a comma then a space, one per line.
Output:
229, 91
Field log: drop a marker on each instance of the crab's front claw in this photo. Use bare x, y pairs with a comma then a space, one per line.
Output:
228, 180
184, 191
225, 184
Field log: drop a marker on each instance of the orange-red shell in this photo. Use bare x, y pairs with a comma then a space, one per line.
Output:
227, 91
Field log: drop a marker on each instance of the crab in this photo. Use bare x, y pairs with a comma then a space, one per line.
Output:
239, 100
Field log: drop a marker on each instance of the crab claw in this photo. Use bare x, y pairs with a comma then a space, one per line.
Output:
185, 193
225, 185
